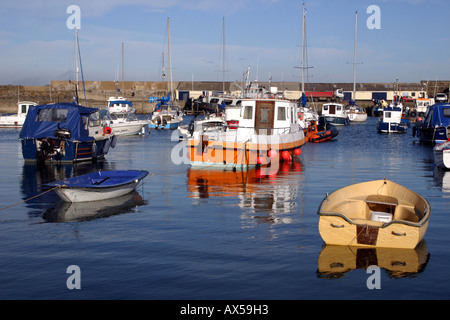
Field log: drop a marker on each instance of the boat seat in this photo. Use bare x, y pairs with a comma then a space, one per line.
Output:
405, 212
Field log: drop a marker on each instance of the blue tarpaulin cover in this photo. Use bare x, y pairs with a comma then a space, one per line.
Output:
42, 121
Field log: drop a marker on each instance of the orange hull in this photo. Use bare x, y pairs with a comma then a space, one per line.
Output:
208, 152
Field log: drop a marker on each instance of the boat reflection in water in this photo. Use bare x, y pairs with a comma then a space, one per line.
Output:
336, 261
84, 211
268, 198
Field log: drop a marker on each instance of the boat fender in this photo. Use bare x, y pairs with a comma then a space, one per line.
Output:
94, 151
113, 141
107, 130
164, 122
106, 146
414, 131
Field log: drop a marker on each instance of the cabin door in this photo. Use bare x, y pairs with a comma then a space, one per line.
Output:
264, 117
332, 109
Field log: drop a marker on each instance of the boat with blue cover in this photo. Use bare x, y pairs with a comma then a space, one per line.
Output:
433, 129
98, 185
64, 132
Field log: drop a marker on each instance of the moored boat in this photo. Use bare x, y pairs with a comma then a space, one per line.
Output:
320, 132
123, 124
166, 114
335, 114
441, 154
98, 185
258, 132
16, 120
120, 105
355, 113
378, 213
391, 121
433, 129
64, 132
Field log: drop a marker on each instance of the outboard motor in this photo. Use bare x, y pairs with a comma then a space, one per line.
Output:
62, 134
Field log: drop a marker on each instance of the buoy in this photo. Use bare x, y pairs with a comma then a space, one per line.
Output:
107, 130
297, 151
285, 155
261, 160
272, 154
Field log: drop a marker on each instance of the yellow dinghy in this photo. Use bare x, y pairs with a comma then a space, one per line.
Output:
378, 213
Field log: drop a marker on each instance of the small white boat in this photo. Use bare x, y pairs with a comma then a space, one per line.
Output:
16, 120
442, 155
377, 213
355, 113
391, 121
123, 124
99, 185
120, 105
209, 123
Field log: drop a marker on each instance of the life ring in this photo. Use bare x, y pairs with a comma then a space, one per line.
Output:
107, 130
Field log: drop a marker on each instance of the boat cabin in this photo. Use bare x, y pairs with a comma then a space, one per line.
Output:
333, 109
392, 115
23, 106
263, 116
119, 105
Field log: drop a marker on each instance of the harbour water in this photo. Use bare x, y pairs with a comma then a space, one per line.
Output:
190, 233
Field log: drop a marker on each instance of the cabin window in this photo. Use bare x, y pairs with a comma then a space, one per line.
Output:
387, 114
248, 112
85, 122
446, 112
55, 115
281, 114
24, 108
264, 115
94, 119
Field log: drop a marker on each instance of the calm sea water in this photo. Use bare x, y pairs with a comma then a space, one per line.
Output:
203, 234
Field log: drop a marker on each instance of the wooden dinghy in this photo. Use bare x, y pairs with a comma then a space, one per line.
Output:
99, 185
377, 213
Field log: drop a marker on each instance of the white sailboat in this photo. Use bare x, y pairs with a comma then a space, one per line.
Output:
167, 114
354, 112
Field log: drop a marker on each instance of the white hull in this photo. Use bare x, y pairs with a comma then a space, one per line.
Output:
442, 155
11, 121
90, 194
357, 117
127, 129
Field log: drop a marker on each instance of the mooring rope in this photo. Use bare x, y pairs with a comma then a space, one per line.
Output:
38, 195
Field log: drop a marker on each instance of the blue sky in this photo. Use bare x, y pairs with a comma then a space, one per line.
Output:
413, 43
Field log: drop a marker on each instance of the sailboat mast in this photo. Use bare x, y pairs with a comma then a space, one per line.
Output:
223, 55
354, 58
123, 77
168, 56
303, 48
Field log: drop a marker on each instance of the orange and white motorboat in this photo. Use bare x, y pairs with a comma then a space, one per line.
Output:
259, 131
